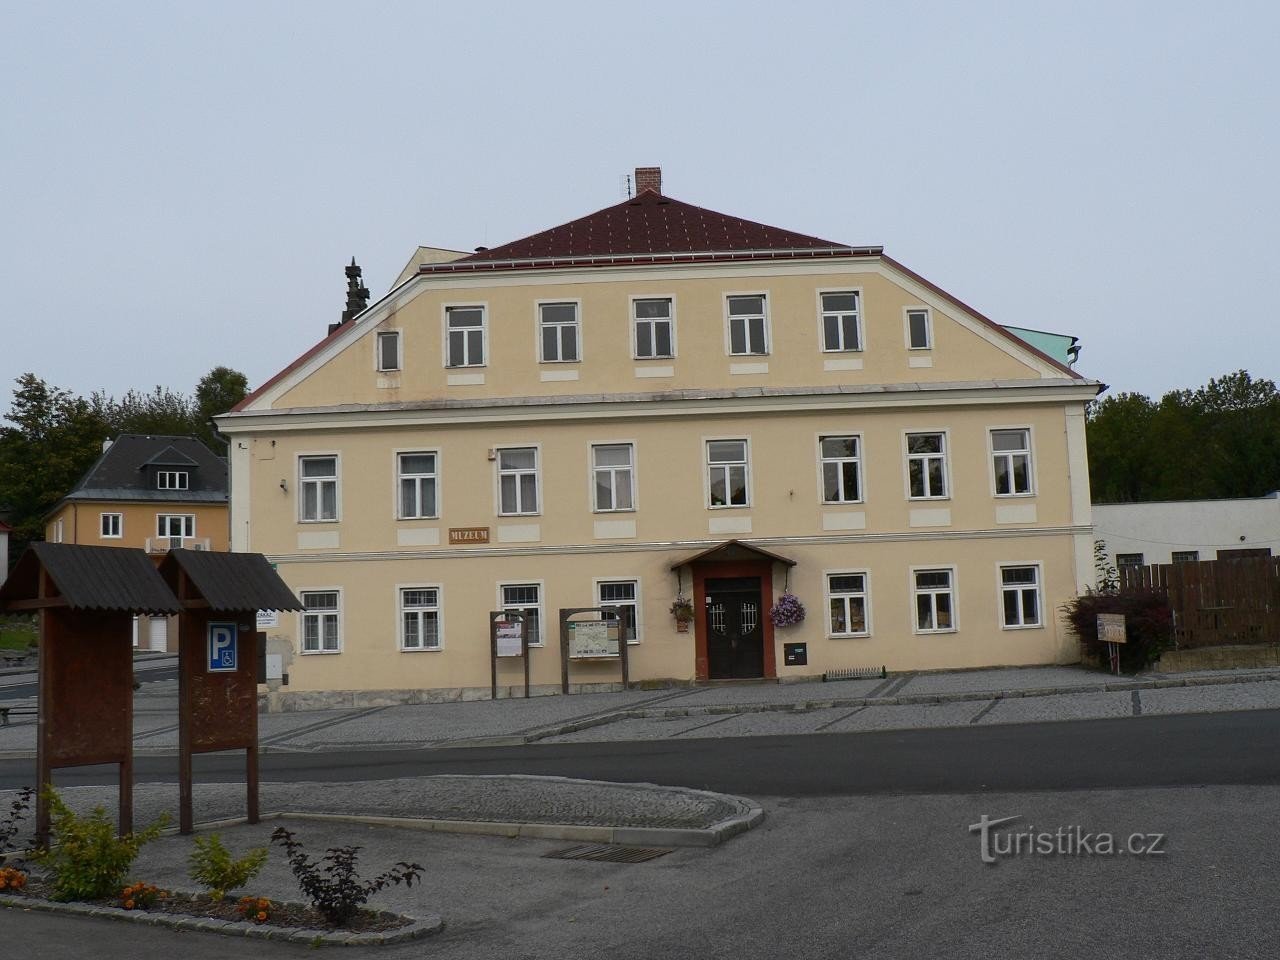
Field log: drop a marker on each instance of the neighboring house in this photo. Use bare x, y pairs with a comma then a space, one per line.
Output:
1183, 531
659, 400
151, 492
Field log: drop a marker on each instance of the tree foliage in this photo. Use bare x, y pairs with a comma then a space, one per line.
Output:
1221, 440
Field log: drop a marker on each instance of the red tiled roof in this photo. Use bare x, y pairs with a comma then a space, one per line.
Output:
649, 224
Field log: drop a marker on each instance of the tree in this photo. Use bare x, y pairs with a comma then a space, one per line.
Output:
217, 392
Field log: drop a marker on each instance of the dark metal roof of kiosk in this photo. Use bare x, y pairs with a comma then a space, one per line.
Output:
91, 578
232, 581
733, 550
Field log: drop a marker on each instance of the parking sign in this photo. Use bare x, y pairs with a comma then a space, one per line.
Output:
223, 649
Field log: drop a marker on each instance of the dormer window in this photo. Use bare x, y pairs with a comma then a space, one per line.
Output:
172, 479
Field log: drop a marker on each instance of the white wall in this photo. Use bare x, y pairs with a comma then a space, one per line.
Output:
1156, 530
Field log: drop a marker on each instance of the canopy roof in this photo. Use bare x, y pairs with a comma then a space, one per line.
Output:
231, 582
733, 551
88, 578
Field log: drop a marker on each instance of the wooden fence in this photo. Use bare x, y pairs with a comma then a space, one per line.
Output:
1216, 602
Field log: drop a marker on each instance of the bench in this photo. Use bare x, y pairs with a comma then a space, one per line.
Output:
16, 711
12, 658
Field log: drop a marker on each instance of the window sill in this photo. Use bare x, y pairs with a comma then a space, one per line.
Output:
927, 633
1014, 496
1025, 626
320, 653
848, 636
729, 506
421, 649
927, 499
309, 523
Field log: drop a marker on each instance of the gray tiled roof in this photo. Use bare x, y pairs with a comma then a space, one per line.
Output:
126, 471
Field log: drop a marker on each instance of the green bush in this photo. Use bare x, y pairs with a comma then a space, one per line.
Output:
85, 858
1148, 625
213, 867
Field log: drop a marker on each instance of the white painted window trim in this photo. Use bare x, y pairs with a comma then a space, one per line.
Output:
396, 476
483, 307
183, 516
302, 614
541, 606
768, 330
539, 490
377, 349
861, 324
954, 590
591, 476
1031, 460
949, 493
58, 531
828, 596
928, 324
400, 612
639, 601
1003, 565
119, 526
165, 478
537, 327
706, 472
631, 305
337, 479
862, 479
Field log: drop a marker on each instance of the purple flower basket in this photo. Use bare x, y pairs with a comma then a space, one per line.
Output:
788, 611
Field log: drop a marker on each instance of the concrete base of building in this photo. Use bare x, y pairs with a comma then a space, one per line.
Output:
1237, 657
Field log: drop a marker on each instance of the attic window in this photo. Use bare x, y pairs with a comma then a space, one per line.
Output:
171, 480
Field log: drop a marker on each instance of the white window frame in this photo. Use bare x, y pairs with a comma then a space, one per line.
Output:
302, 622
728, 324
377, 351
858, 322
498, 474
576, 324
706, 472
540, 606
173, 480
188, 524
908, 456
58, 532
635, 322
822, 461
118, 525
928, 326
637, 604
953, 590
829, 595
445, 309
336, 480
401, 610
1037, 588
592, 470
398, 476
993, 454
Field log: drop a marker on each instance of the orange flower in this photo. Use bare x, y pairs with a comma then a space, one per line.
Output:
128, 904
262, 915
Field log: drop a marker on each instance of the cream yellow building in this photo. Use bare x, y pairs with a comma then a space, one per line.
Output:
659, 401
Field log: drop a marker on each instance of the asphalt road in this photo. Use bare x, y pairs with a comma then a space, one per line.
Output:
1178, 750
28, 688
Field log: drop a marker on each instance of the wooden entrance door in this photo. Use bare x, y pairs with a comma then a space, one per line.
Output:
734, 629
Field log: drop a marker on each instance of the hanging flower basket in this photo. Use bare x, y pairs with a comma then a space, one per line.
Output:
682, 610
788, 611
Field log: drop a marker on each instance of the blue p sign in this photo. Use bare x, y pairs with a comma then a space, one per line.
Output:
222, 647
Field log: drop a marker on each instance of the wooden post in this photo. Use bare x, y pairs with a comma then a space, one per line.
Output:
44, 775
186, 663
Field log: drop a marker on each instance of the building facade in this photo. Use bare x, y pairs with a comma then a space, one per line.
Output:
659, 402
1186, 531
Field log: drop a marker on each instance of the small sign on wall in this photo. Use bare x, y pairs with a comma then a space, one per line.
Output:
268, 618
223, 648
468, 535
795, 654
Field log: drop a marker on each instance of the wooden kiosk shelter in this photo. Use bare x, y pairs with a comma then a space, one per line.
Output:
86, 598
220, 595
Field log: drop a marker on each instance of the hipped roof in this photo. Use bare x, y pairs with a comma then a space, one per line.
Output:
119, 579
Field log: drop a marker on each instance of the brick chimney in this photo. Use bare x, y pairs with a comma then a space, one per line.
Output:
648, 178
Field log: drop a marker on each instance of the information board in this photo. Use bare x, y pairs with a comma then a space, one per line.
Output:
590, 638
507, 635
1111, 627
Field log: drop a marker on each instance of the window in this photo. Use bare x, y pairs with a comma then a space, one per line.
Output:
389, 350
420, 618
1020, 596
464, 336
1128, 560
175, 525
558, 332
1011, 453
321, 619
727, 472
517, 481
841, 470
747, 328
112, 525
927, 466
171, 480
612, 474
417, 485
1186, 556
934, 601
624, 594
847, 602
58, 532
319, 482
654, 328
527, 599
919, 332
841, 322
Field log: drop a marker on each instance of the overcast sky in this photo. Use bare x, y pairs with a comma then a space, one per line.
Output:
182, 183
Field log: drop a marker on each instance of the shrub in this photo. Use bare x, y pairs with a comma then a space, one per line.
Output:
11, 879
213, 867
255, 909
333, 886
85, 859
9, 822
1148, 625
141, 896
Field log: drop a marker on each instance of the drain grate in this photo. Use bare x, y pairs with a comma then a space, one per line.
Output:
612, 853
